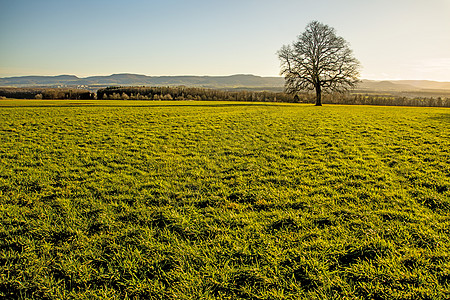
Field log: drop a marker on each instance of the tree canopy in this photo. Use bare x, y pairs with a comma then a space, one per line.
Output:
318, 60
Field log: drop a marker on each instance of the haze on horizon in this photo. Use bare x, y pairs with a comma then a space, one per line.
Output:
402, 39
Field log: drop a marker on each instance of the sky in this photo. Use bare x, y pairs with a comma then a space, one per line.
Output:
393, 39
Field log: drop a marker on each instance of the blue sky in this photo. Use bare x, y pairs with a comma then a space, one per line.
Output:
393, 39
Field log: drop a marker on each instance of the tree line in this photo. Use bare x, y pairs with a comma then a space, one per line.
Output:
190, 93
203, 94
384, 100
46, 93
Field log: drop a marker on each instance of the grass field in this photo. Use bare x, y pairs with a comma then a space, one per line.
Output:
216, 200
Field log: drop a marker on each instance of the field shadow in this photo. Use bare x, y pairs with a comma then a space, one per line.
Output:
445, 118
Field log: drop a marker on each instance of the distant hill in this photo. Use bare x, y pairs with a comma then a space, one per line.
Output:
422, 88
406, 88
384, 85
39, 80
426, 84
233, 81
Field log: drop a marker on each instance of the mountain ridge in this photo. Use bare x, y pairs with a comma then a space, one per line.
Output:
138, 79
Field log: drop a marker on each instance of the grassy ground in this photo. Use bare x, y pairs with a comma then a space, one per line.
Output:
207, 200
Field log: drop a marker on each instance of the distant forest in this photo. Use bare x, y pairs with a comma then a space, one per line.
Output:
203, 94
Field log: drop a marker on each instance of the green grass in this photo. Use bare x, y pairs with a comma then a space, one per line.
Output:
215, 200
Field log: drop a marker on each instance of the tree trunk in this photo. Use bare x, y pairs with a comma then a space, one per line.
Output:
318, 94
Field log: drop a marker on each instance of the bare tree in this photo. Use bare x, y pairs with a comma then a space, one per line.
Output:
319, 60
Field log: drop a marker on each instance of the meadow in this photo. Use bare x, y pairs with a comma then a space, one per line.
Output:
223, 200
